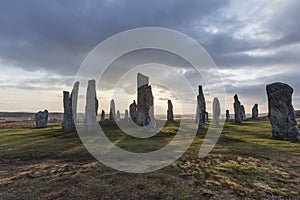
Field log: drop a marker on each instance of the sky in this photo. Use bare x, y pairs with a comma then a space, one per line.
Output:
43, 43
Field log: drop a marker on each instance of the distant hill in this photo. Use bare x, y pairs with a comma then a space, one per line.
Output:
27, 115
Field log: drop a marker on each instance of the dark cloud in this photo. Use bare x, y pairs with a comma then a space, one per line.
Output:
57, 35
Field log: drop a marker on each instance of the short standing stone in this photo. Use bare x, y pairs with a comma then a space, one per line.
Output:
227, 116
41, 119
243, 113
201, 108
102, 116
112, 111
126, 117
90, 120
281, 111
237, 110
118, 116
170, 115
133, 111
255, 111
216, 112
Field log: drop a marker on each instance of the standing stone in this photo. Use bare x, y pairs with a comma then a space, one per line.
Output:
70, 108
112, 111
170, 115
102, 116
201, 109
133, 111
216, 112
41, 119
126, 118
206, 116
243, 113
255, 111
91, 106
227, 116
237, 110
118, 116
281, 111
145, 101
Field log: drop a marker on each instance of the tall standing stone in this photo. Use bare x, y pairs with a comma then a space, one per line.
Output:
237, 110
91, 106
126, 117
201, 108
145, 101
112, 110
70, 108
281, 111
102, 118
243, 113
170, 115
41, 119
227, 116
255, 111
216, 112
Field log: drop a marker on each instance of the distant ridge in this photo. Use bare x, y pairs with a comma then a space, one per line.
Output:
27, 115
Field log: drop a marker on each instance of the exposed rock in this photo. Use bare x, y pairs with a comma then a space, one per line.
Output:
227, 116
133, 111
243, 113
102, 118
145, 109
118, 116
206, 116
170, 115
41, 119
91, 107
281, 111
237, 110
255, 111
70, 108
216, 112
112, 111
201, 108
126, 118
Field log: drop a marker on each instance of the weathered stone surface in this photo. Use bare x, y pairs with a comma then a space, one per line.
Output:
227, 116
170, 115
126, 118
102, 118
144, 101
90, 120
41, 119
243, 113
281, 111
255, 111
201, 108
112, 111
237, 110
70, 108
206, 116
216, 112
118, 116
133, 111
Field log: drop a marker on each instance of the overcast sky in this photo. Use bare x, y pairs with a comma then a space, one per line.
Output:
43, 43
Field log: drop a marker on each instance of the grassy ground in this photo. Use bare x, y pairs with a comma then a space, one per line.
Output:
52, 164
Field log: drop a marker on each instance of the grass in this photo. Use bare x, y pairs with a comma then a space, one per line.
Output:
52, 164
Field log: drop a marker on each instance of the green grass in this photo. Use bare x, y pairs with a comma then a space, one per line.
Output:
246, 162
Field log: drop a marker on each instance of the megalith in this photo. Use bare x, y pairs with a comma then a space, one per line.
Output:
281, 111
90, 120
201, 108
255, 111
216, 112
237, 110
41, 119
227, 116
102, 117
170, 115
112, 111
